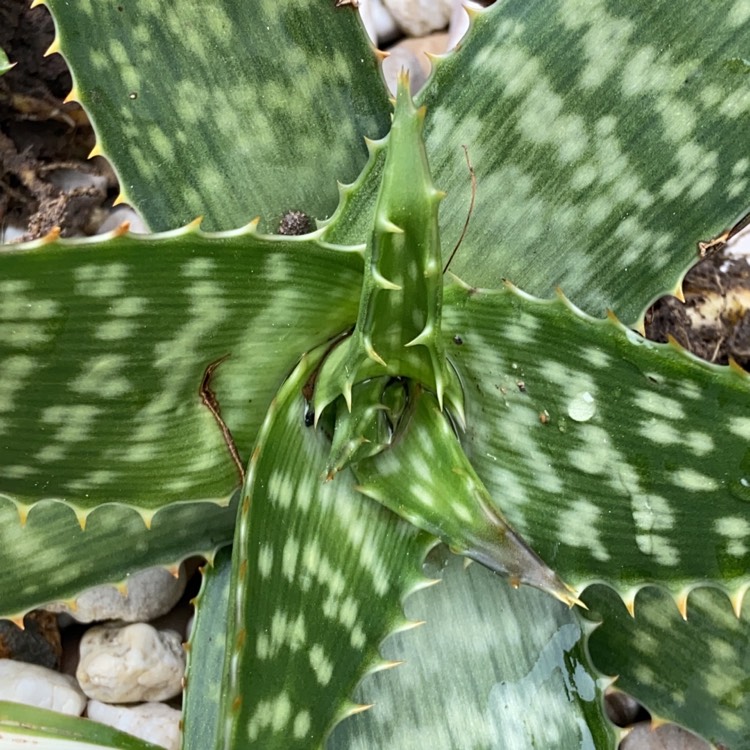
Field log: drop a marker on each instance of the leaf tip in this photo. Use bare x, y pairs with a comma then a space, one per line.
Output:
81, 517
72, 96
96, 151
628, 599
23, 513
678, 292
681, 600
54, 48
736, 598
147, 516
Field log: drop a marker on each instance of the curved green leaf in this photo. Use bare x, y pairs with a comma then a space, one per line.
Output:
104, 346
205, 657
319, 574
38, 728
607, 138
617, 459
693, 672
426, 478
51, 559
491, 668
229, 111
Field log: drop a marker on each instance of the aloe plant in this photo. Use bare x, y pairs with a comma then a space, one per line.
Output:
334, 404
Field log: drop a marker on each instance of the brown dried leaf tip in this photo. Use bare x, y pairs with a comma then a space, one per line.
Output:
294, 223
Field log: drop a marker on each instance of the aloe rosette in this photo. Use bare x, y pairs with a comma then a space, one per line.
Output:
335, 404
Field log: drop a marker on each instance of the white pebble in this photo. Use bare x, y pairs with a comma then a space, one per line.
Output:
420, 17
150, 593
378, 21
41, 687
131, 664
153, 722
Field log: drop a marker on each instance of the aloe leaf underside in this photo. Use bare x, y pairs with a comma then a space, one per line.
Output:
511, 672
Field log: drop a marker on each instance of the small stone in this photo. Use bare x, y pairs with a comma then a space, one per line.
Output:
380, 25
622, 709
38, 642
410, 55
665, 737
150, 593
420, 17
131, 664
38, 686
153, 722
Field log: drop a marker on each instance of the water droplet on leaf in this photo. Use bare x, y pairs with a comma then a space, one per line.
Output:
582, 407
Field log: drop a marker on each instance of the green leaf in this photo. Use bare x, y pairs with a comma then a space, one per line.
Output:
38, 728
319, 574
229, 111
491, 668
104, 346
426, 479
5, 64
693, 672
607, 139
205, 657
398, 325
51, 558
617, 459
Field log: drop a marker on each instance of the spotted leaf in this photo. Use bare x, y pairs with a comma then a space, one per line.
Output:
692, 671
104, 346
617, 459
608, 139
51, 559
491, 667
426, 478
319, 574
196, 111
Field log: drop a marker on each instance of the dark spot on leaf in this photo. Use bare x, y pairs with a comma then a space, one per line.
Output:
295, 223
521, 386
458, 340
